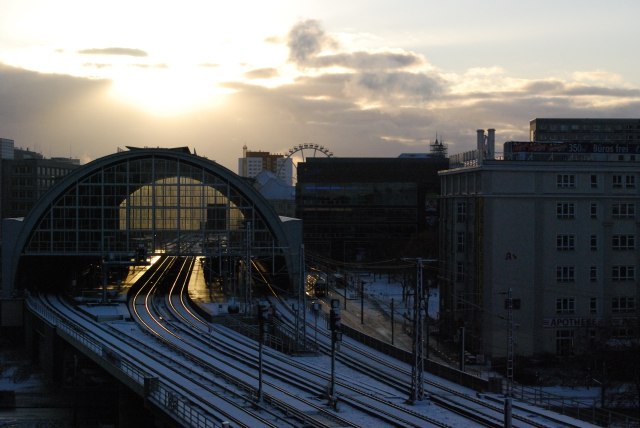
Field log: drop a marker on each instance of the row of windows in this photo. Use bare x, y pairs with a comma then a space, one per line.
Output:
42, 170
577, 137
575, 127
619, 304
567, 242
618, 273
618, 181
567, 210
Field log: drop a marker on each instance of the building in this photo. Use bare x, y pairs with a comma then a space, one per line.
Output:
586, 130
280, 196
366, 209
556, 228
26, 176
252, 163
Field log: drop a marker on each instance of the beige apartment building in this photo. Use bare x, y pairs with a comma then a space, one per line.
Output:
558, 228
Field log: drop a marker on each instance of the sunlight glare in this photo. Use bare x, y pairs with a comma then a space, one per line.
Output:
164, 92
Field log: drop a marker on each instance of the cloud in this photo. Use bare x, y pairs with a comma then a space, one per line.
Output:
367, 61
597, 76
273, 39
262, 73
307, 39
114, 51
397, 85
150, 66
96, 65
208, 65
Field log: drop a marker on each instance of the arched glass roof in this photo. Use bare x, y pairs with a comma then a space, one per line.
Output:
171, 202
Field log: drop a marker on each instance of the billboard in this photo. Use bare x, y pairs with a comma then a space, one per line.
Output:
566, 147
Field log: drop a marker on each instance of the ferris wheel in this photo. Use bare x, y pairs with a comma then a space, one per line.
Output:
300, 153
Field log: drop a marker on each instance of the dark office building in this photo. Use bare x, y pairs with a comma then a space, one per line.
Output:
622, 131
26, 176
366, 209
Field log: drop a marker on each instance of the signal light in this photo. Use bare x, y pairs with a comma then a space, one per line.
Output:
335, 322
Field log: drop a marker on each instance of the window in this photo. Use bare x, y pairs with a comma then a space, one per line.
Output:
564, 343
624, 242
593, 242
565, 209
564, 127
460, 242
593, 273
630, 181
460, 272
566, 273
593, 305
594, 181
623, 273
565, 242
617, 181
624, 210
553, 127
461, 212
623, 304
575, 127
565, 305
594, 210
566, 180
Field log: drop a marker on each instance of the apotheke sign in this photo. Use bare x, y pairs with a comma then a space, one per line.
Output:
571, 322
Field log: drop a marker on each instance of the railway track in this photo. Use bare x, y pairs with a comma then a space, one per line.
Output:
206, 353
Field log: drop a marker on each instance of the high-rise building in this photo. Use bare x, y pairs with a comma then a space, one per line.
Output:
252, 163
555, 227
585, 130
27, 175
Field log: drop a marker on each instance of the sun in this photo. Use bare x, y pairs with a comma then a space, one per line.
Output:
167, 92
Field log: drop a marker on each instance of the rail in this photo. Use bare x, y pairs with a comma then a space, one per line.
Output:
156, 391
454, 375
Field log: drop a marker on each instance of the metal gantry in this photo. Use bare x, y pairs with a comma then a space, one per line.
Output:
247, 266
301, 313
417, 369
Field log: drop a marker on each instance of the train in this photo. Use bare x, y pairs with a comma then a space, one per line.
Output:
317, 284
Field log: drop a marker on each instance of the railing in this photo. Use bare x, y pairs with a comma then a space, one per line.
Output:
574, 408
156, 391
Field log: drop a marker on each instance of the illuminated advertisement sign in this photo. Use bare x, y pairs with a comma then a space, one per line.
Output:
562, 147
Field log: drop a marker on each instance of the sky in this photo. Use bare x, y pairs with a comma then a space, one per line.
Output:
364, 78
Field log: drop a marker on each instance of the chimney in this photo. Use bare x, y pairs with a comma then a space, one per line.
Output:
491, 150
480, 146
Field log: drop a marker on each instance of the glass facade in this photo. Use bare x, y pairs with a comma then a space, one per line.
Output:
166, 204
366, 209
